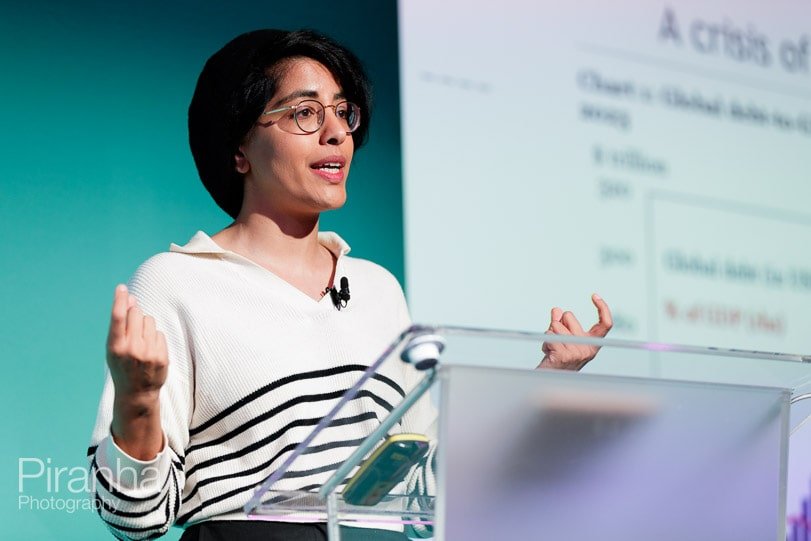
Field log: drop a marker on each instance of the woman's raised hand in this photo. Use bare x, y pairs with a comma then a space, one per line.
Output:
138, 360
136, 351
574, 356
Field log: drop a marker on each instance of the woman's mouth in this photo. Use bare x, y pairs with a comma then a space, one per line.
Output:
331, 168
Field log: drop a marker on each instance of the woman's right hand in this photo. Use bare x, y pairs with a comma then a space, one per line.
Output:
138, 360
136, 351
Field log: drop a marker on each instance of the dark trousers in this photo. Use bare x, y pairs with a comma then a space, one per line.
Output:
255, 530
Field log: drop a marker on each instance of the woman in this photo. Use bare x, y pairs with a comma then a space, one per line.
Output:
223, 353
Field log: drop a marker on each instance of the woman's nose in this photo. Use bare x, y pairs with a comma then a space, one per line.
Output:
333, 132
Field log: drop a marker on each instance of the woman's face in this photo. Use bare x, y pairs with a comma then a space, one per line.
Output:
297, 174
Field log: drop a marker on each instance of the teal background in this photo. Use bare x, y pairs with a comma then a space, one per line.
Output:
97, 176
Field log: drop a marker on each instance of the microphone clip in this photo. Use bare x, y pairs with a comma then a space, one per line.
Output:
340, 297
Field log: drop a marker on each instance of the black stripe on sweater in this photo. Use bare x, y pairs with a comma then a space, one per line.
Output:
132, 529
159, 530
287, 380
117, 493
177, 500
265, 465
101, 504
296, 474
285, 406
273, 437
247, 488
277, 499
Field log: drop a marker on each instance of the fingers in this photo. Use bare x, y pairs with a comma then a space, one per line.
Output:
564, 322
118, 316
135, 323
605, 322
554, 317
128, 324
555, 327
161, 349
148, 329
137, 353
558, 327
572, 324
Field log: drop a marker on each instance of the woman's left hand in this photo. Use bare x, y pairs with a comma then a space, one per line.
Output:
574, 356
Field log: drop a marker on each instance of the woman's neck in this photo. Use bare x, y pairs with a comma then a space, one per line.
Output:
282, 244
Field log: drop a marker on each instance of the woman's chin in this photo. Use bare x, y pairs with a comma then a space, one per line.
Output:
334, 206
335, 201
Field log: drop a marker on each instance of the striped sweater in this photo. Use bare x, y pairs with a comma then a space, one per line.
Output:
254, 363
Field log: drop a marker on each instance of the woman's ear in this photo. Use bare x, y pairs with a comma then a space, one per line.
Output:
242, 165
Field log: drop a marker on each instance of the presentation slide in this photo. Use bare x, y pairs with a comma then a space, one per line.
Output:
657, 153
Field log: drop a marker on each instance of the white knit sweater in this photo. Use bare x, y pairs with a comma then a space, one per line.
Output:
254, 363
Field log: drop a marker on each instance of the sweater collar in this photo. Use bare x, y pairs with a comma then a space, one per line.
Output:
201, 243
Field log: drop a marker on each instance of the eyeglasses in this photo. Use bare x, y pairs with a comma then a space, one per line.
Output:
308, 116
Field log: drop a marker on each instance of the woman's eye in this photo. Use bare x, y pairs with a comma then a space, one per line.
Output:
305, 112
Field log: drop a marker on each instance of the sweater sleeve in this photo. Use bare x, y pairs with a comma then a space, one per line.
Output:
140, 499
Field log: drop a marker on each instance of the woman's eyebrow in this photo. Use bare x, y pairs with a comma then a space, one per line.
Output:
303, 94
293, 95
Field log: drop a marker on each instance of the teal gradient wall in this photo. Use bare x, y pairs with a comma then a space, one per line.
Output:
97, 176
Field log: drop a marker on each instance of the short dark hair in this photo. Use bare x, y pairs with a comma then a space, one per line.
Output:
236, 84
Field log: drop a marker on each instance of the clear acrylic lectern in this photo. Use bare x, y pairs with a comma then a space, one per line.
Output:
648, 441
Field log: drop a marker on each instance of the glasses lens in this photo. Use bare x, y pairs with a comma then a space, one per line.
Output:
309, 115
349, 114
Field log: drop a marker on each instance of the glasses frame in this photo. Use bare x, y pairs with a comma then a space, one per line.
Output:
323, 117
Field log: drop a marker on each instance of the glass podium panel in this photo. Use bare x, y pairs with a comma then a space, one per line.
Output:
667, 429
575, 456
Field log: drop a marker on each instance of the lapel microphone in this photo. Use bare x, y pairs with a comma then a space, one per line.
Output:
340, 297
